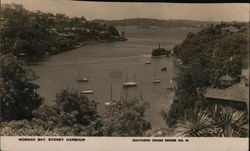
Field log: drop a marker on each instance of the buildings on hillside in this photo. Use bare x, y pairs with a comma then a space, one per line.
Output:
236, 94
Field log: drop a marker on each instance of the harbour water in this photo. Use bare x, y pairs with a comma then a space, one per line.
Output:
108, 63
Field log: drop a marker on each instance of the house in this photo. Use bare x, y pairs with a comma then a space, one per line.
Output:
74, 28
236, 95
66, 35
67, 29
229, 29
226, 80
52, 30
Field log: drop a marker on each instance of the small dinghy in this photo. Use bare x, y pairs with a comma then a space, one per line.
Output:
87, 92
82, 80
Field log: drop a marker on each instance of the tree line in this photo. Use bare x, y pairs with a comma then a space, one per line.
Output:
34, 34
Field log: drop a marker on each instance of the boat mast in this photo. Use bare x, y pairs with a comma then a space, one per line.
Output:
79, 74
126, 77
111, 92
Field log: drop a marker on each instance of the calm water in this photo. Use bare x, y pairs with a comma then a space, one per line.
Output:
108, 63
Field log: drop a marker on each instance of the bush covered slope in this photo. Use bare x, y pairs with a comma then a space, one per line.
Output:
34, 34
206, 56
216, 45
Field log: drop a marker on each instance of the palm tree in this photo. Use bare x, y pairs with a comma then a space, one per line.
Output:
220, 122
232, 122
194, 124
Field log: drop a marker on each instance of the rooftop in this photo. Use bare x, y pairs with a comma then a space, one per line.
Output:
230, 28
236, 92
227, 78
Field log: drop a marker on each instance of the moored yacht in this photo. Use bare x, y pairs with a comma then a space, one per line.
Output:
87, 92
156, 80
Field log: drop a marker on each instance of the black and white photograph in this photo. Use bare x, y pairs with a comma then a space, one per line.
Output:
124, 69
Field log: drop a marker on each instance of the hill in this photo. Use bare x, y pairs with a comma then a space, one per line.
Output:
30, 34
155, 22
207, 55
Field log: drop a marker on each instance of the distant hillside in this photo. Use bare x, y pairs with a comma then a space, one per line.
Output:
155, 22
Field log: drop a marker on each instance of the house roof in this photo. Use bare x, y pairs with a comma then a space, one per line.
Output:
236, 92
231, 29
227, 78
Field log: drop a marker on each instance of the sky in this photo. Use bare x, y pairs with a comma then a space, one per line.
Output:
122, 10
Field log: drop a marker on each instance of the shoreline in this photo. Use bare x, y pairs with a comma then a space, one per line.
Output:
35, 60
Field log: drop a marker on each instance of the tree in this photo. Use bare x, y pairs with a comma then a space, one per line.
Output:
17, 93
195, 124
113, 31
221, 121
70, 115
125, 118
71, 101
47, 121
232, 122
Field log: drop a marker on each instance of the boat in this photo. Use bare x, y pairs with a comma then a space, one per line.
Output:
87, 92
82, 79
130, 83
171, 87
156, 80
107, 103
164, 69
178, 61
148, 60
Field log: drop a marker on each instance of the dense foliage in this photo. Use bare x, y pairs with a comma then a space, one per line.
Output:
18, 94
71, 114
34, 34
125, 118
214, 49
212, 52
220, 122
72, 102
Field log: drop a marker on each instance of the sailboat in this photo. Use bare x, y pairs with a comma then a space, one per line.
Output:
130, 83
82, 79
111, 97
148, 60
156, 80
171, 87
